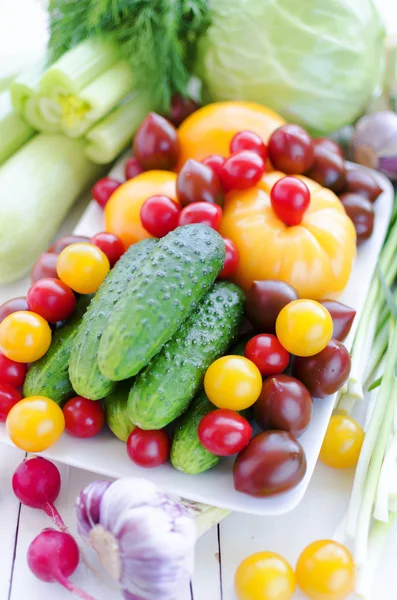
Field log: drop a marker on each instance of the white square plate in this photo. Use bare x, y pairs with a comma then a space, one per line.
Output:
106, 455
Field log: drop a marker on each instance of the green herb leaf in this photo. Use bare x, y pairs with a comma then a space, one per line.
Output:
375, 384
389, 298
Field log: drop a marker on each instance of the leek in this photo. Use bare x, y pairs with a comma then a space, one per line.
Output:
25, 85
38, 185
113, 134
14, 132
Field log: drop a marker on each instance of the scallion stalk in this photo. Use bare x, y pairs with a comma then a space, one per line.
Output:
14, 131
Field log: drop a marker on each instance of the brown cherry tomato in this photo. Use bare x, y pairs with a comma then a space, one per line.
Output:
181, 108
65, 241
156, 144
328, 169
284, 403
12, 306
328, 145
197, 182
264, 300
273, 462
363, 183
324, 373
45, 266
342, 318
361, 212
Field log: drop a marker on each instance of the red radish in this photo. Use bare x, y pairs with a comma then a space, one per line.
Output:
37, 483
54, 556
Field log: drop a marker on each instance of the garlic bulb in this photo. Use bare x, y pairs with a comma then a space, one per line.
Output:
144, 538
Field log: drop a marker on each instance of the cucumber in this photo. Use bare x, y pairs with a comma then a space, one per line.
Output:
116, 412
182, 267
164, 389
84, 374
49, 376
187, 452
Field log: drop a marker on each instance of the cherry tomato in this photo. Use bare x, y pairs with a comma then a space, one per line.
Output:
325, 571
304, 327
248, 140
361, 182
342, 442
285, 404
148, 448
264, 301
35, 423
215, 162
342, 318
181, 108
324, 373
83, 267
65, 241
264, 576
224, 432
290, 199
361, 212
12, 372
197, 182
9, 396
328, 169
45, 266
103, 189
110, 244
12, 306
51, 299
291, 149
24, 336
233, 382
242, 170
328, 145
132, 168
156, 143
266, 352
231, 259
83, 418
273, 462
160, 215
201, 212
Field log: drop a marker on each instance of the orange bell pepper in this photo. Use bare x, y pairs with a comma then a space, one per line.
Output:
315, 257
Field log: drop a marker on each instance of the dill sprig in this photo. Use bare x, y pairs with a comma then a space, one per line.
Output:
158, 37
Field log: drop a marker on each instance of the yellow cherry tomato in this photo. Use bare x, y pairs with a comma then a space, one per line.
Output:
83, 267
264, 576
35, 423
304, 327
325, 571
342, 443
24, 336
233, 382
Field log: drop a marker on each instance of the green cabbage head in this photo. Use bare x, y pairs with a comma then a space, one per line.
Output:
315, 62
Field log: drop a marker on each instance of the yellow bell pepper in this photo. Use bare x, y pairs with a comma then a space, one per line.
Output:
315, 257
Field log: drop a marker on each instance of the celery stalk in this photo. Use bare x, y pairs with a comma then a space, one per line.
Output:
14, 132
78, 67
79, 112
113, 134
25, 85
34, 117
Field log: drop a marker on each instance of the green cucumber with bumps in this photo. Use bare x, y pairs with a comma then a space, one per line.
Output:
164, 389
181, 269
49, 376
188, 454
86, 378
116, 411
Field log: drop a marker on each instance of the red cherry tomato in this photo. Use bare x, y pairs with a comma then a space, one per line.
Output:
201, 212
110, 244
45, 266
242, 170
159, 215
103, 189
266, 352
248, 140
9, 396
215, 162
224, 432
290, 198
231, 260
181, 108
83, 418
132, 168
12, 372
51, 299
148, 448
12, 306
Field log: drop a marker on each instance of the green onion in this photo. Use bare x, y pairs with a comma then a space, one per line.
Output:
25, 85
14, 132
114, 133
